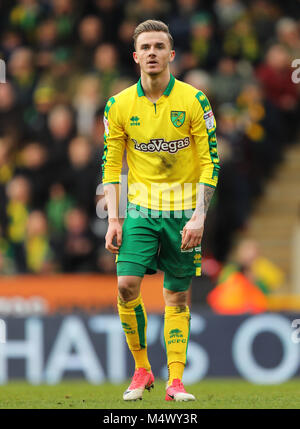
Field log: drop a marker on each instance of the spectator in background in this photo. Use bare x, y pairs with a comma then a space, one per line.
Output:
275, 76
10, 40
125, 33
226, 81
7, 164
10, 113
78, 249
200, 80
261, 124
97, 132
112, 14
17, 212
64, 15
231, 132
106, 67
180, 20
34, 165
288, 35
146, 9
80, 177
90, 32
228, 12
86, 102
7, 263
45, 43
7, 169
58, 204
257, 269
23, 75
230, 213
25, 16
264, 15
61, 75
38, 253
44, 99
203, 45
61, 129
240, 41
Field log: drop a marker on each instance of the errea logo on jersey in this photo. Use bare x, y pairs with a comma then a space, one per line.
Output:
160, 145
135, 120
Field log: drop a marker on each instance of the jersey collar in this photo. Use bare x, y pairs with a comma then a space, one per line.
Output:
167, 91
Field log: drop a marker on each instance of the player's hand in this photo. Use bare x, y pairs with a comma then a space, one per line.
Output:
114, 231
192, 233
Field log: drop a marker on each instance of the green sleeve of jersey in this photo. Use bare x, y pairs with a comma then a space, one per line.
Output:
114, 144
203, 129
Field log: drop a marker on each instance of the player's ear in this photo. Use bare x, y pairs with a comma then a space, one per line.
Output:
135, 57
172, 56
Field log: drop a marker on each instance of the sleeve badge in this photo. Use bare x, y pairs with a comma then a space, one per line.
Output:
209, 120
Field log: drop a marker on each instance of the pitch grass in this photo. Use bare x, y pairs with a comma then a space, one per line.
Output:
210, 393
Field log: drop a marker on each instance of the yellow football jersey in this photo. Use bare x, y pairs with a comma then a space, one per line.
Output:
171, 145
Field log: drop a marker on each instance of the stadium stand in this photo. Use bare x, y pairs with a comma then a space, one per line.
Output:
64, 58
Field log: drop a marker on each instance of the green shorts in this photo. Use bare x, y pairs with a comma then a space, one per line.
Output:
153, 240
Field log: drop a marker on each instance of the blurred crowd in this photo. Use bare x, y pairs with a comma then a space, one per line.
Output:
65, 58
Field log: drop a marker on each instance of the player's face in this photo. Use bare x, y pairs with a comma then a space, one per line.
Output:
153, 52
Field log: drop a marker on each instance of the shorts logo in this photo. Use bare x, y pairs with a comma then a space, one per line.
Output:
197, 259
160, 145
177, 118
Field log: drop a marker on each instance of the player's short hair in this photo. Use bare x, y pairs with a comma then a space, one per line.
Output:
152, 25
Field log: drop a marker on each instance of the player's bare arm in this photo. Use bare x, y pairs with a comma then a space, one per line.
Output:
114, 230
193, 230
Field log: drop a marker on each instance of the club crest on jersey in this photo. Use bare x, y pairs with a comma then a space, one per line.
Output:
177, 118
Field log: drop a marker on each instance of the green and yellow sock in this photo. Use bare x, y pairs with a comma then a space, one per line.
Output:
175, 370
176, 334
133, 317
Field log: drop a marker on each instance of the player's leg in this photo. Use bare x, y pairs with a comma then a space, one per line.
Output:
132, 312
176, 334
176, 330
133, 318
137, 256
179, 267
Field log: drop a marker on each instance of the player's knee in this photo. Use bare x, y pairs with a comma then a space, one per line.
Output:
128, 288
175, 298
